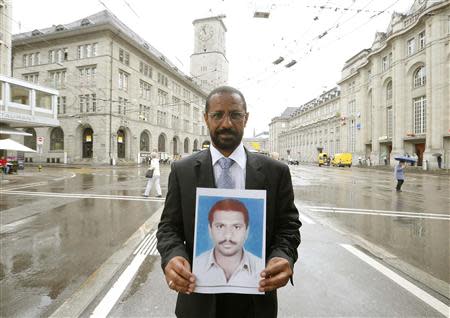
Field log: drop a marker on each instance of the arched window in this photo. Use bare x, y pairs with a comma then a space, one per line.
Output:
145, 142
57, 139
30, 141
420, 77
195, 144
161, 143
175, 145
389, 91
186, 145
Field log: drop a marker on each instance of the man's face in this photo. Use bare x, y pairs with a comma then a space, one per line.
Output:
228, 231
226, 133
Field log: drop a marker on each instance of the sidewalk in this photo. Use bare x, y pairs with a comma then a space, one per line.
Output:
409, 169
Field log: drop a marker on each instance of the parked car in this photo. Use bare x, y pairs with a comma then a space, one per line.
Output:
342, 159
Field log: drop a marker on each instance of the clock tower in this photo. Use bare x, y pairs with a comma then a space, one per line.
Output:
209, 65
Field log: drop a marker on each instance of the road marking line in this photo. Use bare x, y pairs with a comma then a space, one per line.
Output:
110, 299
413, 289
306, 219
83, 196
368, 210
27, 186
147, 245
418, 216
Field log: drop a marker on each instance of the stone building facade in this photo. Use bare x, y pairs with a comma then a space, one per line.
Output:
120, 98
311, 128
395, 95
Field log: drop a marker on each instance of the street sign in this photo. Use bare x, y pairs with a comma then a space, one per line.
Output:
40, 140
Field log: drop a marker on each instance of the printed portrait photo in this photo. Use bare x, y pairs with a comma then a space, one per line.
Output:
229, 244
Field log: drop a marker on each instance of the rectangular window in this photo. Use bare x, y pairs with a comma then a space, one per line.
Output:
87, 50
119, 105
32, 78
87, 103
123, 80
94, 102
422, 40
145, 90
61, 104
420, 111
87, 75
163, 80
187, 110
389, 122
57, 78
411, 46
384, 63
162, 98
124, 57
81, 99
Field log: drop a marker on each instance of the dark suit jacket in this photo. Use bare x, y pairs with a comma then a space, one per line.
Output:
176, 229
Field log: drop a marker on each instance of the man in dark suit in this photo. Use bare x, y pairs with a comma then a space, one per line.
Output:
227, 164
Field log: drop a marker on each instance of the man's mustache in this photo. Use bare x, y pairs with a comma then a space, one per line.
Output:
226, 131
227, 241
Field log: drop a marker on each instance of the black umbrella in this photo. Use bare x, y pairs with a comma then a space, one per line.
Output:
407, 159
437, 154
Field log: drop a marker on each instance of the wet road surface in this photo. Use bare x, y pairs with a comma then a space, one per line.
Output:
54, 236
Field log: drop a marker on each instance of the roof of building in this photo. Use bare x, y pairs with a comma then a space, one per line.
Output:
93, 21
288, 112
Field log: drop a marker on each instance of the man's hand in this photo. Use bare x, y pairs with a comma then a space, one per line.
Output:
179, 276
275, 275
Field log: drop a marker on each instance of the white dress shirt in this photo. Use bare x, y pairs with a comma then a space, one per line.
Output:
237, 170
246, 274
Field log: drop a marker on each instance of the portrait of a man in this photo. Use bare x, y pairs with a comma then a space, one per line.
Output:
228, 266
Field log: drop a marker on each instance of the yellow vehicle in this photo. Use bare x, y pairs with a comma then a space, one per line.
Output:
342, 159
324, 159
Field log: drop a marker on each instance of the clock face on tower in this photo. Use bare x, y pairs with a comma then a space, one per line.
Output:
206, 32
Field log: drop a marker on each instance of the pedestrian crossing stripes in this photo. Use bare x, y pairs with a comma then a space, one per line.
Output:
148, 245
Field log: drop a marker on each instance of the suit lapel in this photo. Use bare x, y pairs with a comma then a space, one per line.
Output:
204, 171
254, 178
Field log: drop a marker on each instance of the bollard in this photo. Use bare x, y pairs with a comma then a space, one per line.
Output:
39, 168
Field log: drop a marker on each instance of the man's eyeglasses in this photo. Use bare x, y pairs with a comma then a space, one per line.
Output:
234, 116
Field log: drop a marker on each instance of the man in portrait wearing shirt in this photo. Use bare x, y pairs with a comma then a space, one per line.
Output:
228, 263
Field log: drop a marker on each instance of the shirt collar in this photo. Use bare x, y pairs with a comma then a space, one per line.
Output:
243, 265
238, 155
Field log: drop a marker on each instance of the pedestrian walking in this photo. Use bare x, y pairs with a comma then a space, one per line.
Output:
439, 161
227, 164
153, 175
4, 165
399, 174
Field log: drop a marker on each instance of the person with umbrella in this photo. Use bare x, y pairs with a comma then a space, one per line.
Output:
399, 174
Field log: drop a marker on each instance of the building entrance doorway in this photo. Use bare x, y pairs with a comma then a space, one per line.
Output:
88, 143
120, 144
419, 150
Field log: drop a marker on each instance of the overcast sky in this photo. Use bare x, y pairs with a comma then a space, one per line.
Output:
291, 31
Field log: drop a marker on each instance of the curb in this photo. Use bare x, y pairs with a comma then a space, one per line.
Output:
101, 278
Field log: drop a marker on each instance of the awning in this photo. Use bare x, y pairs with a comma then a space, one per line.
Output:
12, 131
9, 144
